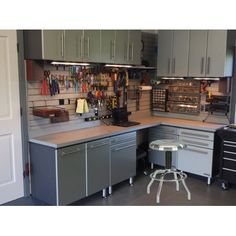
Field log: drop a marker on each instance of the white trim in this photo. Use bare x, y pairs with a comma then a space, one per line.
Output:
56, 171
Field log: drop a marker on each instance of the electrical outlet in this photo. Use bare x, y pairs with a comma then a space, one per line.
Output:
61, 102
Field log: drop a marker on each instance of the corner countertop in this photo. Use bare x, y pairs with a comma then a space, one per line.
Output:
62, 139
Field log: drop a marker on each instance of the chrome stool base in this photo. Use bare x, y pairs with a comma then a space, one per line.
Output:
161, 176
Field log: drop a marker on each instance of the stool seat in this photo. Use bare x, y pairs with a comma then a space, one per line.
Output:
167, 145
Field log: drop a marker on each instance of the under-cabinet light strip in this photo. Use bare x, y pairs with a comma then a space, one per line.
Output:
69, 63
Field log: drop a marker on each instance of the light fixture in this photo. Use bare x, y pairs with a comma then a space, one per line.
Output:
172, 78
118, 65
69, 63
215, 79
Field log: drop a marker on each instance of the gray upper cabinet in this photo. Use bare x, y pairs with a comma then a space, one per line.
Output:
91, 45
82, 45
108, 46
134, 47
73, 45
173, 48
211, 53
63, 45
165, 39
197, 52
44, 44
121, 46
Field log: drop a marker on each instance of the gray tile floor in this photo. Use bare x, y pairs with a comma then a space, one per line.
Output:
125, 195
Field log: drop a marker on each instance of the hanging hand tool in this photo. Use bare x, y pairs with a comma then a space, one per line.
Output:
44, 89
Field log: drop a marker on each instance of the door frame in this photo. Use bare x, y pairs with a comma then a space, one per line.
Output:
24, 111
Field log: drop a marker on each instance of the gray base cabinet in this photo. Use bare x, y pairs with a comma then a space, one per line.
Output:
123, 157
197, 158
97, 165
65, 175
71, 174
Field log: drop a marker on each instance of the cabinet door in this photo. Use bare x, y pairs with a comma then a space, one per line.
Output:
97, 165
179, 63
195, 160
108, 46
53, 44
134, 47
164, 53
74, 45
92, 46
216, 53
121, 47
71, 174
197, 52
123, 162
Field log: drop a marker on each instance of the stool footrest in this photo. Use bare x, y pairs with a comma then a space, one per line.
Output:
159, 175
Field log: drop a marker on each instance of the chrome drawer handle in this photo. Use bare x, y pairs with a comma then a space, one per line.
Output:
194, 142
67, 153
229, 145
118, 149
197, 151
99, 145
230, 142
229, 169
230, 152
197, 135
229, 159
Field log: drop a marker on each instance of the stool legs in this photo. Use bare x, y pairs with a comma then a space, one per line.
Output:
177, 182
186, 188
151, 182
159, 189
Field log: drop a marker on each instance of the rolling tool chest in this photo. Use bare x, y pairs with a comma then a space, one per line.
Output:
227, 155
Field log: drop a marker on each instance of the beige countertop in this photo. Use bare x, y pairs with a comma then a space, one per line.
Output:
63, 139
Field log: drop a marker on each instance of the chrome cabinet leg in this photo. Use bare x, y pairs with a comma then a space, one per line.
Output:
110, 190
104, 193
209, 180
177, 182
131, 181
152, 166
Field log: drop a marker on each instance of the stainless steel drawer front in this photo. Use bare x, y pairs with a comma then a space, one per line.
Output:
71, 149
123, 138
197, 142
165, 129
197, 134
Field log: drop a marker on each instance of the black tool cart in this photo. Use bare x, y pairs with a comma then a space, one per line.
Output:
227, 155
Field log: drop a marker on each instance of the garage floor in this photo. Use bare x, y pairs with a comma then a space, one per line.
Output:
126, 195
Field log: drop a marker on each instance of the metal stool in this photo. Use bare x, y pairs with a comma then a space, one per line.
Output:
167, 145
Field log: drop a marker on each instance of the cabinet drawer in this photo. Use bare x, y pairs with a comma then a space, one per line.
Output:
122, 146
98, 143
160, 135
195, 160
196, 134
229, 163
197, 142
229, 146
71, 149
164, 129
123, 138
230, 155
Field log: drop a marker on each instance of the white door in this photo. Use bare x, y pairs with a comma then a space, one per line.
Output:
11, 170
